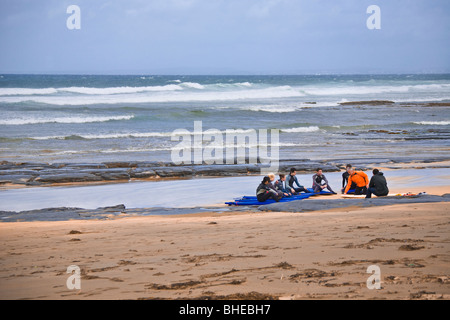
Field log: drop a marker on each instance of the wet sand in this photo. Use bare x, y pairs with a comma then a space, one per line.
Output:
235, 255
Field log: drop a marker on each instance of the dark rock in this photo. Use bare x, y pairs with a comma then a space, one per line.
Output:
61, 214
10, 172
83, 166
65, 178
307, 166
119, 207
367, 103
319, 204
33, 165
224, 169
150, 164
438, 104
142, 173
15, 179
168, 172
120, 164
49, 214
6, 179
33, 173
112, 174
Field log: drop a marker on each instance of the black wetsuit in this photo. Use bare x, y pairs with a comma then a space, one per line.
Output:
378, 186
345, 176
265, 192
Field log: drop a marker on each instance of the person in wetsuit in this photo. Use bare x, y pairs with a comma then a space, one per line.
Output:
377, 185
320, 182
264, 192
345, 176
291, 179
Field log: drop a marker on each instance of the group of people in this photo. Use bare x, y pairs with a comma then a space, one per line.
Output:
289, 185
359, 181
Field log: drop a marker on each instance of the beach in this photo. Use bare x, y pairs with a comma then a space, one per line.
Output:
90, 180
145, 146
221, 252
240, 255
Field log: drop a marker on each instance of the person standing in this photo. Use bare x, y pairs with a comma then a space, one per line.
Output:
377, 185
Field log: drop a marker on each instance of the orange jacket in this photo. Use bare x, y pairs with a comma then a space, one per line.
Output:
360, 178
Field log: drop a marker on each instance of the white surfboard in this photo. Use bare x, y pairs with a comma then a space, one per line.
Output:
408, 194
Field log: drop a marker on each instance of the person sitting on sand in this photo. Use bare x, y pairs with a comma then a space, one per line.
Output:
377, 185
345, 176
320, 182
264, 192
360, 179
272, 186
283, 186
291, 179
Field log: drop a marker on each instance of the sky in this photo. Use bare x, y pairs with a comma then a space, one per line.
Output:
224, 37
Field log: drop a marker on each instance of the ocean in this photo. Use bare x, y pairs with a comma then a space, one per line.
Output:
91, 118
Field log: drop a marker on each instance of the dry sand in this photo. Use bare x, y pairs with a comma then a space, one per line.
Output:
315, 255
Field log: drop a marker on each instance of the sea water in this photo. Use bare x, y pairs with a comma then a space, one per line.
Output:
88, 118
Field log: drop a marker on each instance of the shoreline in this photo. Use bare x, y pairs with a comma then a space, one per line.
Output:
240, 253
31, 174
314, 204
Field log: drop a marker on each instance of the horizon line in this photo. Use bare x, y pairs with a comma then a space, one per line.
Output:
225, 74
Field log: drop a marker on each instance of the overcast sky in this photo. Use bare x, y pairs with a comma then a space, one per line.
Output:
224, 37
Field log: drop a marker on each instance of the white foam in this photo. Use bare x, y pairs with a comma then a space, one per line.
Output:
125, 135
435, 123
281, 108
364, 90
73, 119
193, 85
270, 108
144, 134
301, 129
424, 99
114, 90
159, 97
182, 148
26, 91
120, 90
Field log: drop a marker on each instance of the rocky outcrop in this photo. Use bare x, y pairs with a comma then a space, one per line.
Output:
327, 204
36, 174
367, 103
62, 214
